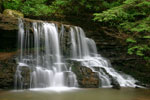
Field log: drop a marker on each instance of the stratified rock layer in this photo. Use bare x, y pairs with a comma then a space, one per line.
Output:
7, 70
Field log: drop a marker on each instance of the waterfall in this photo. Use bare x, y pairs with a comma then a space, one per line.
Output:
40, 52
44, 51
87, 55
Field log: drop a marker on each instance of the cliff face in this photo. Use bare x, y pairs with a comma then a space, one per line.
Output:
8, 33
7, 69
8, 43
108, 47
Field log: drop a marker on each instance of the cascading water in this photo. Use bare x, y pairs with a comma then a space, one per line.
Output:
85, 51
45, 49
40, 53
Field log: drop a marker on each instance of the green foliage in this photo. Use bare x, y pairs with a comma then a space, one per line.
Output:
147, 37
136, 26
65, 7
133, 18
130, 1
132, 15
131, 40
12, 4
59, 7
34, 8
114, 14
28, 7
139, 50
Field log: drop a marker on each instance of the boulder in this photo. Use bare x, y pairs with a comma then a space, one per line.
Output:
13, 13
85, 76
115, 84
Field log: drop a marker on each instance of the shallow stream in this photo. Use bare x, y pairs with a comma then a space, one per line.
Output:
76, 94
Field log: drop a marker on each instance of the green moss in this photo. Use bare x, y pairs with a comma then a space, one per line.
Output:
13, 13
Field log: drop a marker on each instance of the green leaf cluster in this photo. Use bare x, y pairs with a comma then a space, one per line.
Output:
35, 7
12, 4
29, 7
140, 47
139, 50
59, 7
132, 17
130, 40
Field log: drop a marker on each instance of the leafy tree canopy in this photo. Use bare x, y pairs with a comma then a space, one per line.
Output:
133, 18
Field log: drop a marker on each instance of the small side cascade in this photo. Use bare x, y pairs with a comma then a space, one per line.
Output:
45, 50
85, 51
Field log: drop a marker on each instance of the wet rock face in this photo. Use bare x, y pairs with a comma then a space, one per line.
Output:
115, 84
7, 72
113, 80
91, 78
8, 66
8, 23
85, 76
25, 73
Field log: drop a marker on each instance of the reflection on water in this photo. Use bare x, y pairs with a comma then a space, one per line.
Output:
77, 94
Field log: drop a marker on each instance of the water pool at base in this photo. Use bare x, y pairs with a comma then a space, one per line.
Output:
76, 94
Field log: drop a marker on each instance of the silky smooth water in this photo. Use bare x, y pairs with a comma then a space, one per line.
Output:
46, 51
77, 94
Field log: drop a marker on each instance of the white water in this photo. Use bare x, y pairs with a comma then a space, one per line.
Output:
88, 57
40, 52
43, 51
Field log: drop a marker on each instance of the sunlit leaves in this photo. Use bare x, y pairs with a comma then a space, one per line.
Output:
131, 40
133, 18
147, 37
12, 4
139, 50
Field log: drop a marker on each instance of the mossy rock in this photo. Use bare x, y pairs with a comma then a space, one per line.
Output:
13, 13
